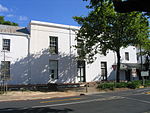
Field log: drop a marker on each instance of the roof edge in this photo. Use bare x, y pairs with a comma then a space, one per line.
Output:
33, 22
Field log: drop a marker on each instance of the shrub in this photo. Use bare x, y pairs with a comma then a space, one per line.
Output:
106, 86
121, 85
134, 84
147, 83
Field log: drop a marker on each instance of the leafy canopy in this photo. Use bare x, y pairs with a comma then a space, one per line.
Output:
104, 29
2, 21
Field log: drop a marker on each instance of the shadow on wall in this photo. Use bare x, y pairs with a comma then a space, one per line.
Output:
34, 69
111, 76
98, 78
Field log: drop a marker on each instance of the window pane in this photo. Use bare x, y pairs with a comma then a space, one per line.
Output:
53, 66
5, 69
81, 71
53, 45
80, 47
6, 44
126, 55
102, 64
104, 70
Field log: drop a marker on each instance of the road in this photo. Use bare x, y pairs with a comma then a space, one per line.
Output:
131, 101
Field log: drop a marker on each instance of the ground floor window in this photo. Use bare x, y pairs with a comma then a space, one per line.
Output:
81, 71
104, 70
5, 69
53, 69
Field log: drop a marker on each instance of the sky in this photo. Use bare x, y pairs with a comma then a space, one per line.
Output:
53, 11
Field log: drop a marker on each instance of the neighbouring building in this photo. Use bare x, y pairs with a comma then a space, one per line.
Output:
44, 53
14, 52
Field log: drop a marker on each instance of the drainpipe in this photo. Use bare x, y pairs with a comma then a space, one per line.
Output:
29, 61
70, 51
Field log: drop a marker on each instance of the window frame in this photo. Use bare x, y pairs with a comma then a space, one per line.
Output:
105, 69
81, 68
7, 74
127, 56
53, 69
6, 45
53, 43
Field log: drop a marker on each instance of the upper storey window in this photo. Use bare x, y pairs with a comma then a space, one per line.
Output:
6, 44
127, 56
53, 45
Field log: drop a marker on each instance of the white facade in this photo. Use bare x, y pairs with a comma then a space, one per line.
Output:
31, 57
17, 55
40, 55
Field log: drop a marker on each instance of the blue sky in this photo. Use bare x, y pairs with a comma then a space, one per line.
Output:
54, 11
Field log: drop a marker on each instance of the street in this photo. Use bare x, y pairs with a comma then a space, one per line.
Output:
130, 101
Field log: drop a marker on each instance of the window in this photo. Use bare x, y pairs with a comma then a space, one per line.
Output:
53, 69
5, 69
80, 48
127, 56
104, 70
6, 44
53, 45
81, 71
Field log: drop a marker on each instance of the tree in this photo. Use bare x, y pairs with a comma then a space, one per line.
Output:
131, 5
2, 21
104, 29
146, 52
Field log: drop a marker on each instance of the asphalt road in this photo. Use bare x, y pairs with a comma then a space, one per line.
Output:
132, 101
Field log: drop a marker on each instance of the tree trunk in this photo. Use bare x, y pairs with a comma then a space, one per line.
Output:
118, 66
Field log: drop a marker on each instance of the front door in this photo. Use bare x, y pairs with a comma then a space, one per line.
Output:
81, 71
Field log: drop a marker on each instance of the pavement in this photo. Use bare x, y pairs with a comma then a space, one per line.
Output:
33, 95
118, 101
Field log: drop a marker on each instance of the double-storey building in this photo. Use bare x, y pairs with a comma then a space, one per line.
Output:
45, 53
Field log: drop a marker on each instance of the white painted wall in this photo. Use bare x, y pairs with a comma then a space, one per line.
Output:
67, 68
18, 57
132, 54
40, 55
35, 68
93, 71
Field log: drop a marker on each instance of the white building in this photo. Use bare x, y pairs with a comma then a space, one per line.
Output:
47, 55
14, 51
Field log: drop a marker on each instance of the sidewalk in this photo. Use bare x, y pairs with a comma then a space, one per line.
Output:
33, 95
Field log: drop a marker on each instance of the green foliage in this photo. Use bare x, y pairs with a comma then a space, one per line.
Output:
131, 85
134, 84
104, 29
104, 86
2, 21
147, 83
121, 85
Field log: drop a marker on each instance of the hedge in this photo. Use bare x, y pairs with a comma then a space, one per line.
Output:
133, 85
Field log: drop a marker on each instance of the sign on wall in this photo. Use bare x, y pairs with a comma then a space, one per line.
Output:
144, 73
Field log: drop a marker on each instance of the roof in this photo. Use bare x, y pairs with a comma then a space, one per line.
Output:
33, 22
13, 30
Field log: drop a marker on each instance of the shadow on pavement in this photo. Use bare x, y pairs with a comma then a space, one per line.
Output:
35, 110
